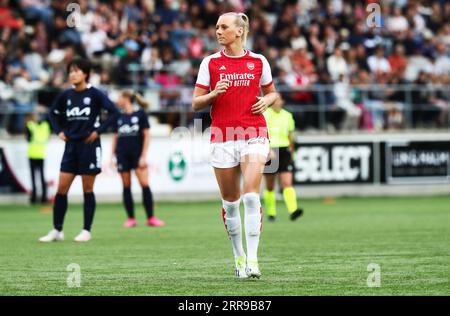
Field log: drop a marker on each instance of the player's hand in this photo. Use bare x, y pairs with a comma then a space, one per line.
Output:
272, 154
293, 156
142, 162
113, 163
221, 87
91, 138
62, 136
260, 106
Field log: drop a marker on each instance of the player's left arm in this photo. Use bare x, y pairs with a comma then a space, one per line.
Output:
145, 128
27, 133
270, 95
113, 112
113, 160
145, 145
291, 143
292, 137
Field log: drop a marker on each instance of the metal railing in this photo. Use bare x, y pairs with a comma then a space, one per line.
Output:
380, 107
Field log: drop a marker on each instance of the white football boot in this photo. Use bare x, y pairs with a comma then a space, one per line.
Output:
53, 235
252, 269
84, 236
239, 267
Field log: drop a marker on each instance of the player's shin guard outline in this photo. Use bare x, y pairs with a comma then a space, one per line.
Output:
232, 221
253, 223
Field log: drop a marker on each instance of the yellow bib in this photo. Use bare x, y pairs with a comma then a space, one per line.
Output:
40, 134
279, 125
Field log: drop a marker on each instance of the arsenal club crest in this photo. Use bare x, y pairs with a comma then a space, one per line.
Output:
250, 65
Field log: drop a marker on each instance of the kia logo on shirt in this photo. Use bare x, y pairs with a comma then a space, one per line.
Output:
127, 129
77, 112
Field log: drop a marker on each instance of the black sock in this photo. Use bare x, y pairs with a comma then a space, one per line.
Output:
59, 211
89, 210
147, 199
128, 202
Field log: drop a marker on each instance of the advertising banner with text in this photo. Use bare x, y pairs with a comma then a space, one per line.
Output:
334, 163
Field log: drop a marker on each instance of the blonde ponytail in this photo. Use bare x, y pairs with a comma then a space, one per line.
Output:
132, 95
243, 22
141, 101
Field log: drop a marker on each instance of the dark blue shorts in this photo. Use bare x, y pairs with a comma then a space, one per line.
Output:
82, 159
285, 163
127, 161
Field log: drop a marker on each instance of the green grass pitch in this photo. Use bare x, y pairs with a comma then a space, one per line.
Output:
326, 252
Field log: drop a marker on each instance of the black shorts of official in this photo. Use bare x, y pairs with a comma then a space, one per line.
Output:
127, 161
82, 159
285, 163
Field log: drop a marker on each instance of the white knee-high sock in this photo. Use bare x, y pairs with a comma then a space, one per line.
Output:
253, 224
232, 220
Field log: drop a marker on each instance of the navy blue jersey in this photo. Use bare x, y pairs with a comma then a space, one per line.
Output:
77, 113
129, 129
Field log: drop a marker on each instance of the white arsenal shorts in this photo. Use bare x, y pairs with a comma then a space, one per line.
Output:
229, 154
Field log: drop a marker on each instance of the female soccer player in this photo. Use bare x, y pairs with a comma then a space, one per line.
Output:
130, 145
230, 80
281, 127
75, 117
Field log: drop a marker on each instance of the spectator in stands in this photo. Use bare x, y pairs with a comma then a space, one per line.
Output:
425, 113
360, 82
40, 40
150, 60
395, 101
378, 63
337, 65
302, 33
417, 63
361, 57
377, 104
397, 23
342, 92
129, 65
444, 33
334, 115
398, 60
6, 106
39, 9
180, 35
3, 61
442, 61
169, 94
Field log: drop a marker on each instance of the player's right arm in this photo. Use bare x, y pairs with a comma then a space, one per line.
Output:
291, 136
112, 160
202, 97
115, 136
58, 108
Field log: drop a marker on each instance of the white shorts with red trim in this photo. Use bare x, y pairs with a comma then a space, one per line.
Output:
229, 154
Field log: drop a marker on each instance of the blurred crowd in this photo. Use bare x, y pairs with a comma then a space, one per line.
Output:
160, 44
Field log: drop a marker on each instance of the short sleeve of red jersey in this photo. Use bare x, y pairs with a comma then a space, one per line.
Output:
266, 76
203, 78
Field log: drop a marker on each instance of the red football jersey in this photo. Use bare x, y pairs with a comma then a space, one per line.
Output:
231, 113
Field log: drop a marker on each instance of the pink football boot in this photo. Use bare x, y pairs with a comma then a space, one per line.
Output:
153, 221
131, 222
